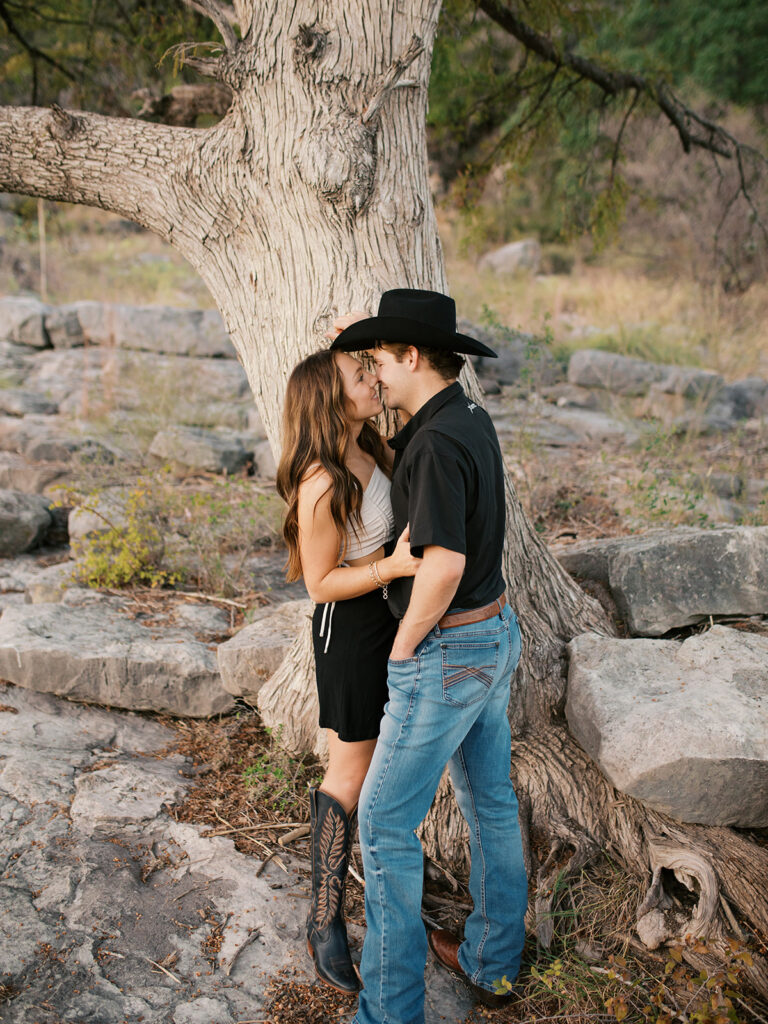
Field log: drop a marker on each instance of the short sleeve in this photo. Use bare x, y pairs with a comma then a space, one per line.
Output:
437, 500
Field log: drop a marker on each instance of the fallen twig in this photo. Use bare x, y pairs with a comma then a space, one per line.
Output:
297, 833
165, 970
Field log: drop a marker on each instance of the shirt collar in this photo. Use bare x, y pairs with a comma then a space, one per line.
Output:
424, 414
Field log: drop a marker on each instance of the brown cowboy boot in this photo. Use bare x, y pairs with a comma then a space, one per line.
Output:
326, 931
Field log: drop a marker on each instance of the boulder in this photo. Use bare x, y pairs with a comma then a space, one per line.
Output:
264, 461
665, 579
51, 439
24, 520
746, 398
194, 449
513, 258
162, 329
254, 653
681, 726
16, 402
690, 382
22, 321
96, 654
571, 396
19, 474
594, 368
81, 379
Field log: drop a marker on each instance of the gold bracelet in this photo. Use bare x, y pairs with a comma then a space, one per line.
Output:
373, 569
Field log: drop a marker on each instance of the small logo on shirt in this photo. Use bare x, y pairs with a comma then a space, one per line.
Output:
472, 406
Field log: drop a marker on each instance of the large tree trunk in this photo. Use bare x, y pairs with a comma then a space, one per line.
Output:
310, 197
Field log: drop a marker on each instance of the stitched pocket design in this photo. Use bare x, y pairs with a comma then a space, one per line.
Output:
468, 671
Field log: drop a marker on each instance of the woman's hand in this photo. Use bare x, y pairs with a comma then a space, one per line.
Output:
346, 320
401, 562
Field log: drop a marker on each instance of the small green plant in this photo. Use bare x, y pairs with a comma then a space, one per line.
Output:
129, 549
272, 780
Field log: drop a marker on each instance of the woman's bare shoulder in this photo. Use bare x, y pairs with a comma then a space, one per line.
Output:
315, 482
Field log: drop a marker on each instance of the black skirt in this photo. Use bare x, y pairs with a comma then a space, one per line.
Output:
351, 664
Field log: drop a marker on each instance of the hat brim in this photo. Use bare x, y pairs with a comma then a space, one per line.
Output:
402, 330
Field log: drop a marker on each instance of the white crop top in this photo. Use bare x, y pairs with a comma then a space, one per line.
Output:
376, 524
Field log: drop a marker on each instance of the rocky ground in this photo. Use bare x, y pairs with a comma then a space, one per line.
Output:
117, 903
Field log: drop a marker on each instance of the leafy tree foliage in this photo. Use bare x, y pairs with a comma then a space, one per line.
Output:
89, 54
722, 46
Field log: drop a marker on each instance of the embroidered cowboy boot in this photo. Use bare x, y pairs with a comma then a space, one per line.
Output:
326, 929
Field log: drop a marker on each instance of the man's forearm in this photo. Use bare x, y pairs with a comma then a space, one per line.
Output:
434, 586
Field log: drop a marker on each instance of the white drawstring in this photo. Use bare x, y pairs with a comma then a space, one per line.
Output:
332, 605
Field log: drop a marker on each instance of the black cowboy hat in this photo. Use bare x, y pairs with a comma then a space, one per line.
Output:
412, 317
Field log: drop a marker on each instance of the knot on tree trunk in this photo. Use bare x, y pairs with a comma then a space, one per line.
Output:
338, 161
310, 44
63, 125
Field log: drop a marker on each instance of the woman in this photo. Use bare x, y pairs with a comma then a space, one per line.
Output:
334, 476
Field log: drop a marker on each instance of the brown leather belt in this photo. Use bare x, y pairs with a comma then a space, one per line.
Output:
473, 614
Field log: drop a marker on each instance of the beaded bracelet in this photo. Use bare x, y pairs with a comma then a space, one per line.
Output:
373, 569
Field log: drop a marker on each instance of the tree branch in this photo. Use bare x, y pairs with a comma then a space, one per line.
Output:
391, 77
221, 14
114, 163
692, 129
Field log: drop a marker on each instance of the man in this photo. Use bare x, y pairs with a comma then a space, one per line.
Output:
448, 676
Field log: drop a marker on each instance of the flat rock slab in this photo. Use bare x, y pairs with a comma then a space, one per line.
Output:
254, 653
195, 449
100, 655
101, 884
665, 579
681, 726
190, 332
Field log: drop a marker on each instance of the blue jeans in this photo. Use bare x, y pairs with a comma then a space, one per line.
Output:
447, 704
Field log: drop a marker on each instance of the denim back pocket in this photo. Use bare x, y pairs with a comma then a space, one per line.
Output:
468, 670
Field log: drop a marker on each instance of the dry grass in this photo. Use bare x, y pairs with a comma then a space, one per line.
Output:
95, 255
665, 318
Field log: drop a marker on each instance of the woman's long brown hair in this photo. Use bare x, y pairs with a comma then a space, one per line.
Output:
316, 430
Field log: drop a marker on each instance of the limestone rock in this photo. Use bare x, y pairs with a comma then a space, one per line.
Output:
665, 579
747, 398
21, 321
127, 793
19, 474
24, 520
264, 461
192, 448
690, 382
96, 654
204, 620
113, 894
513, 258
681, 726
189, 332
50, 584
594, 368
17, 402
248, 660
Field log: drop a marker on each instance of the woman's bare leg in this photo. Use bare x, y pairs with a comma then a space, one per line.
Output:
347, 768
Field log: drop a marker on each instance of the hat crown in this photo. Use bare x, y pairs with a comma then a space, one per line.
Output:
433, 309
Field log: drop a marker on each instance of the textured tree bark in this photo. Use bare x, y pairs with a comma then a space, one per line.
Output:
309, 198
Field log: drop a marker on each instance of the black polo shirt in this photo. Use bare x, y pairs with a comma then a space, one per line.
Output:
448, 483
